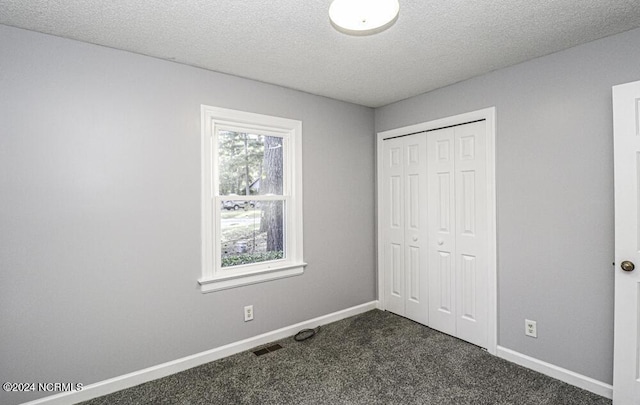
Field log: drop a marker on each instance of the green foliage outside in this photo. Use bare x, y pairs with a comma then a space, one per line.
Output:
241, 162
248, 258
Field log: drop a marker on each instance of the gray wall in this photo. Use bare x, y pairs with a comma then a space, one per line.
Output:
554, 194
100, 211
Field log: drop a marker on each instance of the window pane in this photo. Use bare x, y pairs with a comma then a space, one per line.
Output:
250, 164
252, 233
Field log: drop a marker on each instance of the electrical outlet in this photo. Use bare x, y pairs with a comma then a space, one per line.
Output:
530, 328
248, 313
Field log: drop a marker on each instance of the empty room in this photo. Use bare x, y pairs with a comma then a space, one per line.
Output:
325, 202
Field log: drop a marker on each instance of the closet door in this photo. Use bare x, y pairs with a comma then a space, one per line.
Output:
392, 225
458, 232
415, 234
405, 227
471, 232
442, 234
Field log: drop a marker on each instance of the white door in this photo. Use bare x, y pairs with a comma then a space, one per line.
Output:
392, 224
442, 233
415, 236
404, 197
471, 233
458, 232
626, 126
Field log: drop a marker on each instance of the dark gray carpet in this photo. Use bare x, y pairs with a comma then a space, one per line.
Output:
373, 358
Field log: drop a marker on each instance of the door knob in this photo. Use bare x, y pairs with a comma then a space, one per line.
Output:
627, 265
440, 242
415, 238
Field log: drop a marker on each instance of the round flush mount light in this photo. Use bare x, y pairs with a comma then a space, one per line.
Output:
363, 17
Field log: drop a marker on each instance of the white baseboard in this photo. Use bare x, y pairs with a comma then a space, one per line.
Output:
559, 373
162, 370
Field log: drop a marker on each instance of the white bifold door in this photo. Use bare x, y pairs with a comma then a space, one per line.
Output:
458, 232
435, 229
405, 225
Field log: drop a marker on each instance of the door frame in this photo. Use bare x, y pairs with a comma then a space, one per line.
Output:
489, 116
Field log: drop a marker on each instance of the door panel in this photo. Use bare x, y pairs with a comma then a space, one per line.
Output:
413, 195
393, 225
396, 201
413, 271
444, 202
468, 197
626, 129
442, 279
469, 290
396, 271
416, 304
405, 225
471, 233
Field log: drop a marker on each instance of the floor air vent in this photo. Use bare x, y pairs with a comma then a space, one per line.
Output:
266, 350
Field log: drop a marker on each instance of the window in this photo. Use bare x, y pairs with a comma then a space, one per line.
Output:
251, 198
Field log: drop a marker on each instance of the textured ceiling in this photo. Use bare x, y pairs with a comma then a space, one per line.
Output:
292, 43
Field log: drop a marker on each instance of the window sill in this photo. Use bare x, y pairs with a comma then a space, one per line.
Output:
218, 283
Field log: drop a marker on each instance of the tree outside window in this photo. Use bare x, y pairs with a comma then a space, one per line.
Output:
250, 164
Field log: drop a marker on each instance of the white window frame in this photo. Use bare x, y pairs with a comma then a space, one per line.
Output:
214, 277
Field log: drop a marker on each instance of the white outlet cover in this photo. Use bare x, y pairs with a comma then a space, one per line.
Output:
248, 313
530, 328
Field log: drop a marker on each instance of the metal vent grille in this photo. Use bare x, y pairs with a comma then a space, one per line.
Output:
266, 350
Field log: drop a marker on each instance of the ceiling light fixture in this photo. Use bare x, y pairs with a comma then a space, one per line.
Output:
363, 17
